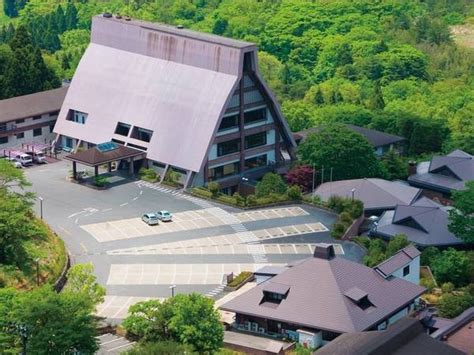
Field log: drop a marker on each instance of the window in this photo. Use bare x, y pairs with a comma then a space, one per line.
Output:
3, 127
37, 132
273, 297
256, 162
136, 147
256, 140
228, 147
141, 134
122, 129
223, 171
19, 121
36, 118
75, 116
158, 165
229, 122
51, 128
3, 140
406, 270
365, 303
20, 135
118, 141
255, 116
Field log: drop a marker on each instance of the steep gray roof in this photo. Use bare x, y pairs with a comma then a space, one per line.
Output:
402, 258
32, 105
317, 296
446, 173
425, 223
376, 138
374, 193
406, 336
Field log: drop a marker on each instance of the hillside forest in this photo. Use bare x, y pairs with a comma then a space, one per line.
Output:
392, 65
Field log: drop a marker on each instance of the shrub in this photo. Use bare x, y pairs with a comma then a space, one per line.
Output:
201, 192
251, 200
428, 283
338, 230
452, 266
302, 176
294, 193
447, 287
428, 255
214, 188
271, 183
345, 218
167, 347
226, 199
337, 203
148, 175
451, 305
172, 176
239, 199
356, 208
100, 181
240, 278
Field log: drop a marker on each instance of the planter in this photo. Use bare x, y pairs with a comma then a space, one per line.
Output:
235, 288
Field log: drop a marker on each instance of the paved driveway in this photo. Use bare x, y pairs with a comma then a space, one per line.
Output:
204, 242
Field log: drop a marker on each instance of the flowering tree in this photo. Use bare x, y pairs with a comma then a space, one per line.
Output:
301, 175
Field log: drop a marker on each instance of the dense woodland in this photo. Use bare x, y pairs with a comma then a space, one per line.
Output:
390, 65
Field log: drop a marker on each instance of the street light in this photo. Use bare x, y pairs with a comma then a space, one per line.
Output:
37, 272
41, 206
245, 179
172, 287
353, 190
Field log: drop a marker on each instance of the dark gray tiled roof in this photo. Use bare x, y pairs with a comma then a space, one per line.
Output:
425, 223
400, 259
449, 172
270, 270
376, 194
32, 105
405, 337
376, 138
317, 298
275, 287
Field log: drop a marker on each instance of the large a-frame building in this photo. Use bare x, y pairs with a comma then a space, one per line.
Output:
193, 102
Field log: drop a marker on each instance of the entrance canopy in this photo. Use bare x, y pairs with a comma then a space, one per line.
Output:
105, 153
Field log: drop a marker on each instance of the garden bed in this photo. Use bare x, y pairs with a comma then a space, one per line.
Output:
240, 280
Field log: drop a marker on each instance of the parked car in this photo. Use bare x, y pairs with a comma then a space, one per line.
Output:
24, 159
38, 157
164, 216
16, 163
151, 219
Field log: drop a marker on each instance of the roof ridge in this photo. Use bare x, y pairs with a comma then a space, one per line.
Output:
373, 182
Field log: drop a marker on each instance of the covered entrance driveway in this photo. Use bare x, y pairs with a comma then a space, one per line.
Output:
105, 154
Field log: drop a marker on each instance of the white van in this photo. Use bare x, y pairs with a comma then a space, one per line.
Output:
24, 159
38, 157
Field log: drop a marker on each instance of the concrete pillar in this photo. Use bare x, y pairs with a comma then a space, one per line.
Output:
130, 168
109, 167
164, 173
96, 170
189, 175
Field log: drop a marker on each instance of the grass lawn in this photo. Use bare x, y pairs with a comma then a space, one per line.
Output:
51, 253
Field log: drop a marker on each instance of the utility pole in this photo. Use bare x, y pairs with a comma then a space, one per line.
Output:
172, 287
41, 206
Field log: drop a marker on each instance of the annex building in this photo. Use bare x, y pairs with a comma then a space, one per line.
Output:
193, 102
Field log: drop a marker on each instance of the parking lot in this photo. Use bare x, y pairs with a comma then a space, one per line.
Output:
204, 241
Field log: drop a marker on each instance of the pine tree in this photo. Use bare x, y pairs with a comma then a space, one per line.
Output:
318, 97
10, 9
60, 20
71, 16
21, 39
377, 101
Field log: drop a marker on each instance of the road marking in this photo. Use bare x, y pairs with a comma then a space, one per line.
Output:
84, 247
124, 204
76, 214
141, 191
135, 198
121, 346
106, 210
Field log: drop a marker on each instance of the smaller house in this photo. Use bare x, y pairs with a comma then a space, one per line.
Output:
381, 141
405, 264
30, 118
378, 195
425, 223
444, 174
407, 336
321, 297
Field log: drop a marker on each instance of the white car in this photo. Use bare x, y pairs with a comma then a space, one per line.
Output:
164, 216
15, 162
151, 219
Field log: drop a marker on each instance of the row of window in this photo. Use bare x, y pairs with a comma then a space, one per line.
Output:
234, 168
250, 117
233, 146
36, 132
142, 134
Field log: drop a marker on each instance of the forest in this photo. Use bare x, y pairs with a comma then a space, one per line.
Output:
392, 65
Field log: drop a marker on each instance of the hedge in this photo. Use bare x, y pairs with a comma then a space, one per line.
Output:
239, 278
201, 192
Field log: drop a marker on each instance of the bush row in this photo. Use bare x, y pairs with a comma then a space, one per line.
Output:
240, 278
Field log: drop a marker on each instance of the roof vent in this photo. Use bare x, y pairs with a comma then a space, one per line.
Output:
107, 15
324, 251
180, 27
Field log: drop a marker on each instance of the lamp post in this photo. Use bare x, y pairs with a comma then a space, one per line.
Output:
353, 191
41, 207
172, 287
37, 272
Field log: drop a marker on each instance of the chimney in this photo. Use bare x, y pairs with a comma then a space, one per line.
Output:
324, 251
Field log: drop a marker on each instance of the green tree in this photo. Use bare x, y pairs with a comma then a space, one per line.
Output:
271, 183
429, 255
82, 281
394, 166
461, 217
375, 253
348, 153
451, 305
398, 242
452, 266
11, 177
161, 348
